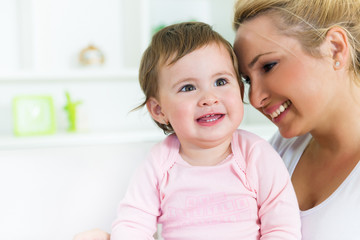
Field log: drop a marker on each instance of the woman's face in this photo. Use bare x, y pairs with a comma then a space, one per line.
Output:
287, 85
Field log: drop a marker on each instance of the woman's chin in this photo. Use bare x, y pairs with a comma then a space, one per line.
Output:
288, 133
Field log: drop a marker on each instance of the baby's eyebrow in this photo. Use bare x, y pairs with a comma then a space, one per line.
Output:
179, 82
223, 73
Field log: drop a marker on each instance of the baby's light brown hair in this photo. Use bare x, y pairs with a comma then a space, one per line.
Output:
171, 44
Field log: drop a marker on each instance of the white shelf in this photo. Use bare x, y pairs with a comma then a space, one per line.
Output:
78, 139
79, 74
100, 138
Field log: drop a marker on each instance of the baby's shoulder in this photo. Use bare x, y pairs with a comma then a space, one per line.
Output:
248, 140
253, 149
163, 154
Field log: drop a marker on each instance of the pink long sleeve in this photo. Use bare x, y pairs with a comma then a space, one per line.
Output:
278, 208
138, 211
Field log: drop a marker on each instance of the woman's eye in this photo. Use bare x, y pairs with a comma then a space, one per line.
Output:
245, 79
269, 66
220, 82
187, 88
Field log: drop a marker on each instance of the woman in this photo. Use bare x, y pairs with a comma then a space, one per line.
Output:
301, 59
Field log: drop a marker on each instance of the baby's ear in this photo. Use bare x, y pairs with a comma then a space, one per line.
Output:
154, 108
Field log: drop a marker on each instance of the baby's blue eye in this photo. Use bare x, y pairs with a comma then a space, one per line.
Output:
220, 82
187, 88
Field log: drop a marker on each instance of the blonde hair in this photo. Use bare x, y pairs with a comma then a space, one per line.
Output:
308, 21
168, 46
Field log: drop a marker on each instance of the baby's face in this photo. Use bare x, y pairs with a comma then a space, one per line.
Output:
200, 96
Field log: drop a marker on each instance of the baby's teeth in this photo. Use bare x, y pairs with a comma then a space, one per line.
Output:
281, 108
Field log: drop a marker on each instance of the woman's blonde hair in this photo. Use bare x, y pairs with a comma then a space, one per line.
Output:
168, 46
308, 21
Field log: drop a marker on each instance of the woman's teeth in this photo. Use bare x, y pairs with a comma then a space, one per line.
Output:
282, 108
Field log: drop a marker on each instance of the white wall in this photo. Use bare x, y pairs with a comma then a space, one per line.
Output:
53, 193
44, 37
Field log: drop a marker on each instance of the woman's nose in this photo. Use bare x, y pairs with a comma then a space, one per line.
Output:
258, 95
208, 99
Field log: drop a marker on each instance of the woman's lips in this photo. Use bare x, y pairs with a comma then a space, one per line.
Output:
280, 109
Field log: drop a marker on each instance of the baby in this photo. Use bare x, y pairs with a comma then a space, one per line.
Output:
207, 179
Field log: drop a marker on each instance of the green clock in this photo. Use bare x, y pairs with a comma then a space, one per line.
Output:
33, 115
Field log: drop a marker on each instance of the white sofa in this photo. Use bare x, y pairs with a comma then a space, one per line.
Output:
54, 193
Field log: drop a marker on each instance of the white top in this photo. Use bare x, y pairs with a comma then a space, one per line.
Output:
336, 218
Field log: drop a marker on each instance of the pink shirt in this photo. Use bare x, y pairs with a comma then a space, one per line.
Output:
247, 196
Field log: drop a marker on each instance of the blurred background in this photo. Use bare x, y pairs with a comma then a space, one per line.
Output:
68, 82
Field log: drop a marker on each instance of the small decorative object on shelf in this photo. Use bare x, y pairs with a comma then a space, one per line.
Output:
160, 26
33, 115
70, 107
157, 28
91, 56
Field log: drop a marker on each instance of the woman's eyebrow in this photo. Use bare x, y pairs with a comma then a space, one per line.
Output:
256, 58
